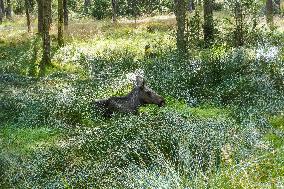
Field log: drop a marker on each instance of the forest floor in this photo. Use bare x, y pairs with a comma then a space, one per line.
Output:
222, 126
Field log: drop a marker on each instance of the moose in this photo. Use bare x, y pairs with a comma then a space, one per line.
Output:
140, 95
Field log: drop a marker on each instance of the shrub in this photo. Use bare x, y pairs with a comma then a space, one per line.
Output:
237, 77
124, 148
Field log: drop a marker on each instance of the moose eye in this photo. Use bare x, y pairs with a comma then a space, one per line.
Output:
149, 93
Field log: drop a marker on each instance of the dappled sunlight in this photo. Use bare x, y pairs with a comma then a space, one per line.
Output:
66, 95
160, 18
267, 53
107, 48
120, 106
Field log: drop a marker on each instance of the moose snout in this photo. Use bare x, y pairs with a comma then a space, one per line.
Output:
162, 102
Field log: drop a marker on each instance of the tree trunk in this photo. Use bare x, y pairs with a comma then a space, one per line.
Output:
87, 4
50, 14
208, 29
2, 6
46, 60
114, 6
1, 16
65, 12
9, 10
60, 22
135, 10
191, 5
269, 13
278, 6
40, 15
2, 11
27, 6
180, 10
239, 33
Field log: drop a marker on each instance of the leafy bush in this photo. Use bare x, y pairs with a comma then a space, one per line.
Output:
236, 77
101, 9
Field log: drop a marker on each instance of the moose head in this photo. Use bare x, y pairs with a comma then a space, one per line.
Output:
146, 95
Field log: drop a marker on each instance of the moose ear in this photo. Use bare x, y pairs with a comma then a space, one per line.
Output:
140, 82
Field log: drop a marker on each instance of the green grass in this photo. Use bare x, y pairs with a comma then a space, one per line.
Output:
16, 139
210, 112
276, 140
277, 122
204, 111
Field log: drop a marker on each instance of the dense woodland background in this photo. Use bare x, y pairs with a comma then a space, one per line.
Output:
218, 63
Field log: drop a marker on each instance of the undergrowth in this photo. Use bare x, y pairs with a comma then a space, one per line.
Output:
222, 126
